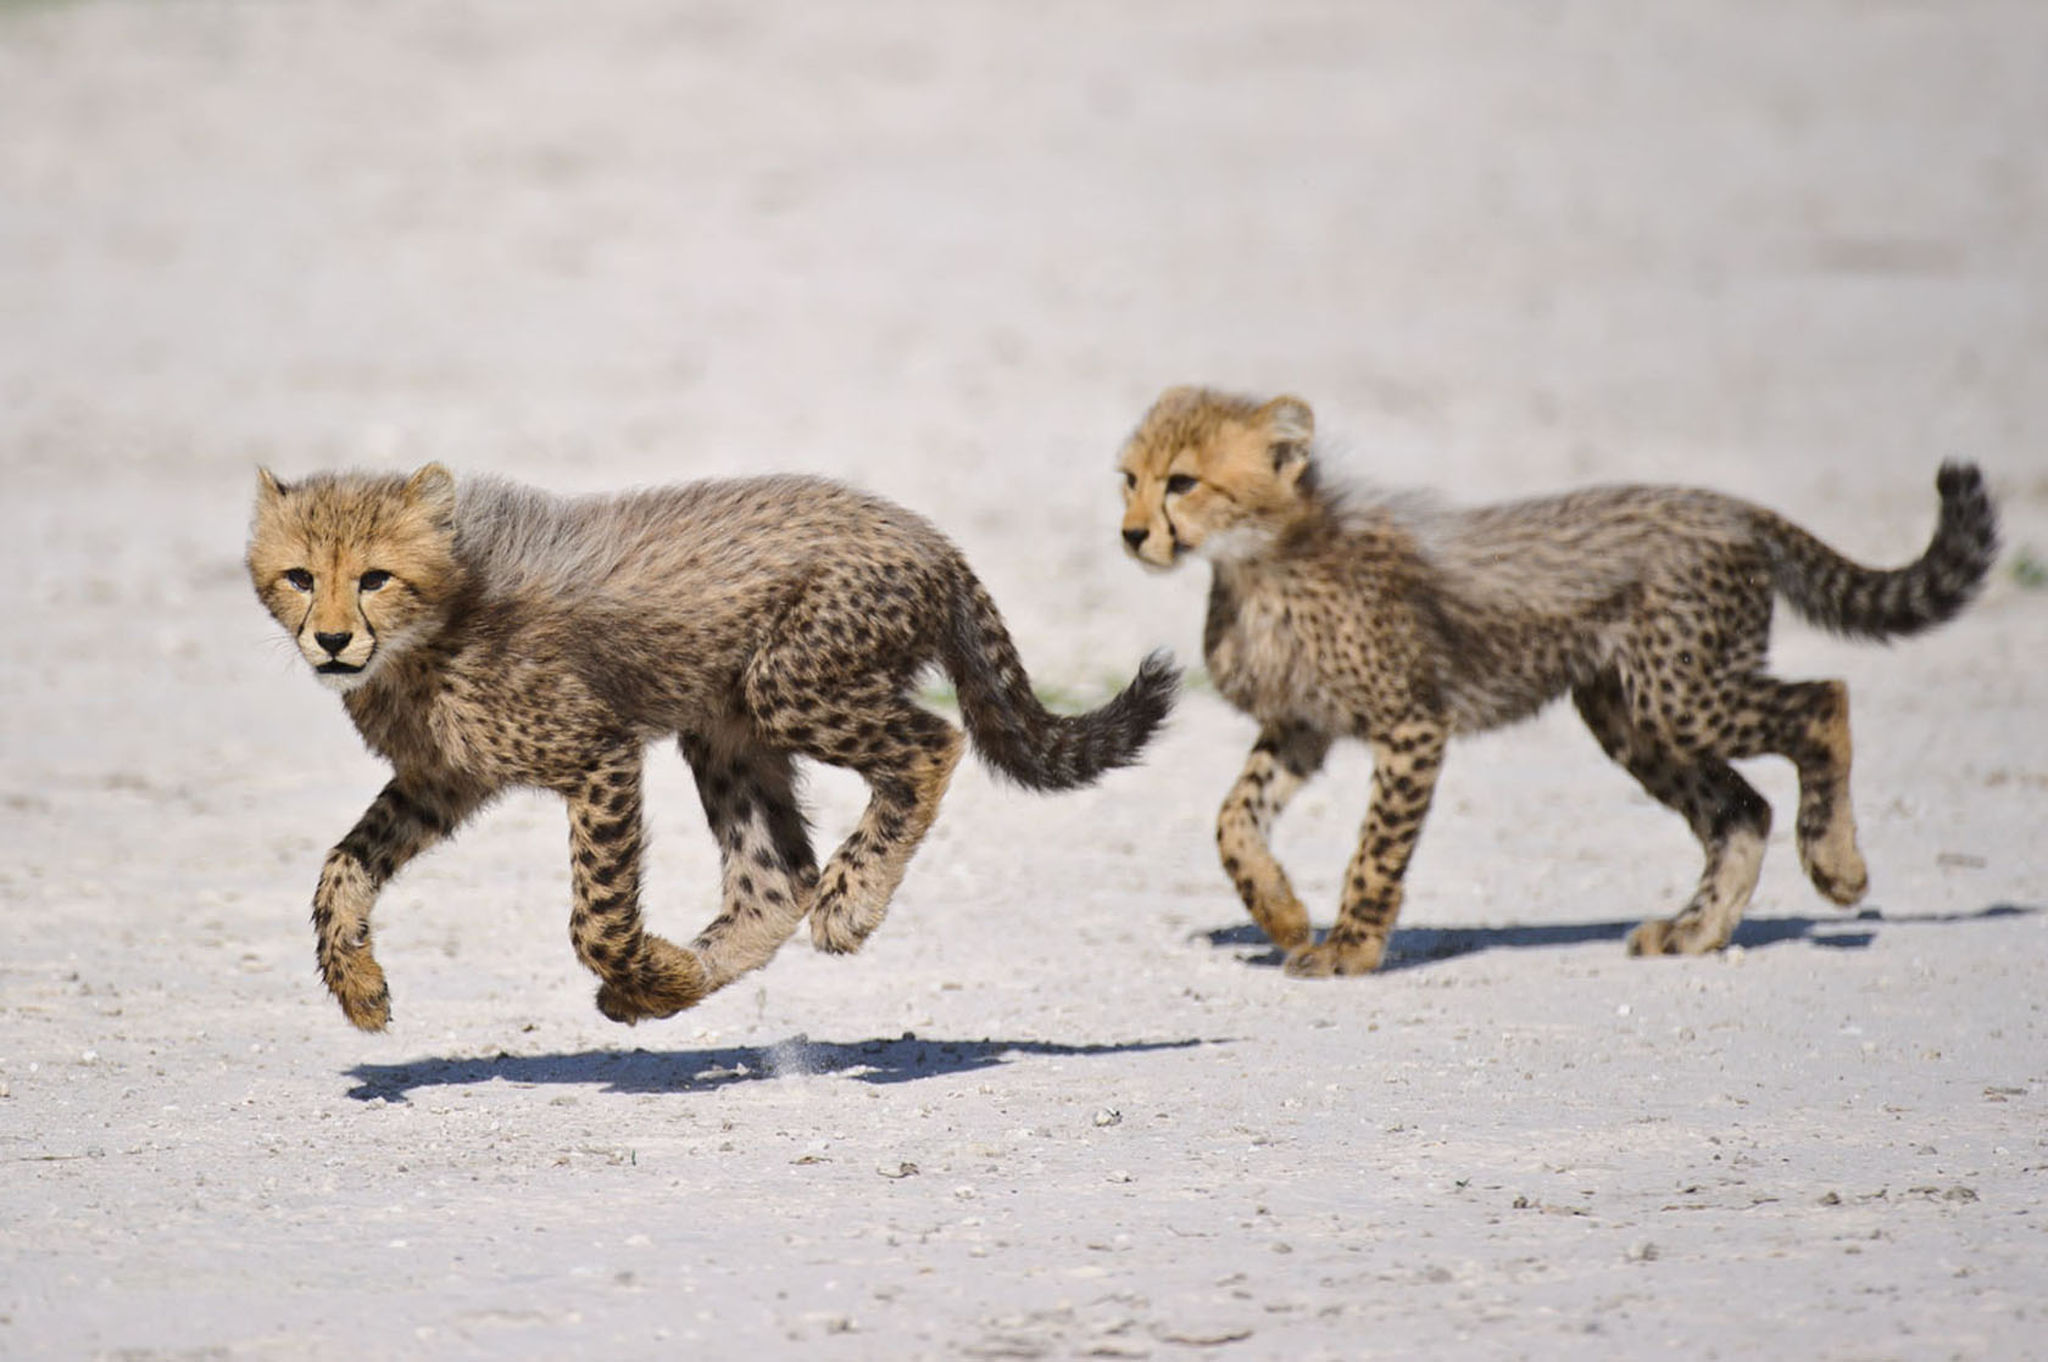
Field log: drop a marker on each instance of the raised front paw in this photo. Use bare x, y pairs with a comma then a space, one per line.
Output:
660, 981
838, 929
1334, 958
840, 922
357, 982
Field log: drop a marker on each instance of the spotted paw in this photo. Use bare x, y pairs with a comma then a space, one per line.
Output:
837, 928
660, 982
1843, 884
1651, 938
357, 982
1335, 958
1681, 935
1286, 926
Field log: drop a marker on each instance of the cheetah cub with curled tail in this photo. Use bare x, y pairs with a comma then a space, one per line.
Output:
485, 636
1399, 623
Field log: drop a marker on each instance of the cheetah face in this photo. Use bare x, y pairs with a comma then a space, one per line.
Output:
354, 567
1214, 475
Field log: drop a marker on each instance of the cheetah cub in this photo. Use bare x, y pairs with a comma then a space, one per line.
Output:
483, 636
1400, 623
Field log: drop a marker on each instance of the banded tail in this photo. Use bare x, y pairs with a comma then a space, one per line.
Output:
1847, 598
1020, 737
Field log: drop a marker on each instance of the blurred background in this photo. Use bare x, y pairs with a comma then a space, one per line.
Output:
1796, 250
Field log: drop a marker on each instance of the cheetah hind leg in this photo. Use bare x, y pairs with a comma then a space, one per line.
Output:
1730, 819
1811, 726
769, 873
1707, 922
834, 685
907, 771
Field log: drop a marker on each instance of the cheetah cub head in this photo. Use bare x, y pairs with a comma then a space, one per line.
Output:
1213, 474
355, 566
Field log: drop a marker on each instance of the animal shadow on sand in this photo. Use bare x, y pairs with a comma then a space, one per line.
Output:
1411, 947
903, 1060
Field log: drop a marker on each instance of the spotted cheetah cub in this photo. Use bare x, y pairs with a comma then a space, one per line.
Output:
1400, 623
485, 636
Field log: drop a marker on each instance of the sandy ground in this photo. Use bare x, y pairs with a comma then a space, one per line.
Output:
1063, 1105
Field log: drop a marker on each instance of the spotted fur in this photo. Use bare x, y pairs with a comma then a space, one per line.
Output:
1400, 622
486, 636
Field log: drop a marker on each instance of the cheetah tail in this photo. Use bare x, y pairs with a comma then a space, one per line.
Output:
1016, 734
1861, 602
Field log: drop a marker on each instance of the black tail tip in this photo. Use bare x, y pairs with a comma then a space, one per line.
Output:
1159, 671
1155, 688
1957, 479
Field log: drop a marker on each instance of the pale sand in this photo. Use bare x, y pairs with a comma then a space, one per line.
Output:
949, 252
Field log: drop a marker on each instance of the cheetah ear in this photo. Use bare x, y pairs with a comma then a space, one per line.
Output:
1177, 398
1288, 420
1290, 425
269, 491
432, 489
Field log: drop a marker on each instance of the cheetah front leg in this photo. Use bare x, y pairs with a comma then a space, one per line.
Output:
644, 975
770, 873
1406, 760
1281, 762
400, 823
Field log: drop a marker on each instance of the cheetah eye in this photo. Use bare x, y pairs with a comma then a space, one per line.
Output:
1130, 480
1179, 483
300, 579
374, 579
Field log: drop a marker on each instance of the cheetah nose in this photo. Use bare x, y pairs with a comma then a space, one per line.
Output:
1136, 538
333, 643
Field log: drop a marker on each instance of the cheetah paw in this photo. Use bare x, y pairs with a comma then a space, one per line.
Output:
1681, 935
1843, 885
1333, 958
357, 983
838, 928
662, 981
